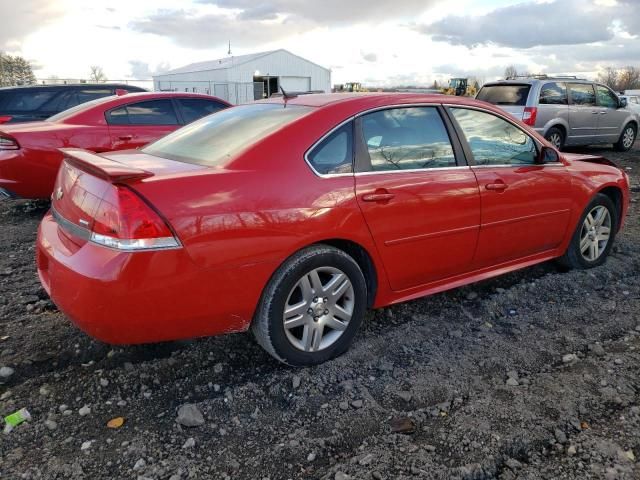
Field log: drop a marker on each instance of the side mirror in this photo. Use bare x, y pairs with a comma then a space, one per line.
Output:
548, 155
623, 103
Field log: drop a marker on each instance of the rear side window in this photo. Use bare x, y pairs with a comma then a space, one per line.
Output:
554, 94
213, 140
407, 139
582, 94
504, 94
606, 98
153, 112
335, 153
25, 101
494, 141
196, 108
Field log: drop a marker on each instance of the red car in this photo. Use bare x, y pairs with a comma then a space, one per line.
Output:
29, 152
292, 216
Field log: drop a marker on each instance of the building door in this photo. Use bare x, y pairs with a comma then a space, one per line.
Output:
270, 85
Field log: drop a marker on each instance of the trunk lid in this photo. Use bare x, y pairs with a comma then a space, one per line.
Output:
86, 178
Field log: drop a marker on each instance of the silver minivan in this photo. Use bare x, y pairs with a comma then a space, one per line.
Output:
566, 110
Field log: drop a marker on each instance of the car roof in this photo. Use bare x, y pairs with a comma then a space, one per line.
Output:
370, 98
532, 80
69, 85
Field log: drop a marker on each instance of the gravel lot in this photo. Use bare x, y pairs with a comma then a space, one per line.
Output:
532, 375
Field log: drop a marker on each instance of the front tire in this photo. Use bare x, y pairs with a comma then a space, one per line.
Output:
312, 307
594, 235
627, 138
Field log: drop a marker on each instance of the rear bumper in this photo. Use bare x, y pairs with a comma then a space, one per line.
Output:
28, 175
143, 297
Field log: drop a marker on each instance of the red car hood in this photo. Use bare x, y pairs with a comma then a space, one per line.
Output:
580, 157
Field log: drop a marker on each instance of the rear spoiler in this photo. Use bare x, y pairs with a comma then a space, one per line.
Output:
101, 166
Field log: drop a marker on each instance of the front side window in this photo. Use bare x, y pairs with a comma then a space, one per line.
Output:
606, 98
407, 139
494, 141
153, 112
335, 153
582, 94
216, 139
553, 94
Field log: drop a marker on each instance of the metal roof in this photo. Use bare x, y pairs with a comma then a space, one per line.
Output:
227, 62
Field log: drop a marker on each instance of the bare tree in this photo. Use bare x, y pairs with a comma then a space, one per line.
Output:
510, 71
629, 79
97, 74
609, 77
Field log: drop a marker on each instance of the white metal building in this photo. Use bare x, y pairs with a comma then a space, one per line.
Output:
246, 78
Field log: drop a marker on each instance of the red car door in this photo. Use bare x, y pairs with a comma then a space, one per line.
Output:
526, 206
420, 203
135, 124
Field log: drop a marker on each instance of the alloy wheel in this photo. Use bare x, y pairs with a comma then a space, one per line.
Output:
556, 140
595, 233
629, 137
318, 309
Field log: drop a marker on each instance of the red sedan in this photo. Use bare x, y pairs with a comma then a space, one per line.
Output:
292, 216
29, 152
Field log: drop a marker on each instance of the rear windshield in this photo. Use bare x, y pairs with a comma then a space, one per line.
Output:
212, 140
504, 94
78, 108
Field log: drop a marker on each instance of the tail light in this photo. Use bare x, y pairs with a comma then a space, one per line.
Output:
124, 221
8, 143
529, 116
5, 118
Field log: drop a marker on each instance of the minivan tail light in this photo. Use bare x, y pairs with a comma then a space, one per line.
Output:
8, 143
529, 116
124, 221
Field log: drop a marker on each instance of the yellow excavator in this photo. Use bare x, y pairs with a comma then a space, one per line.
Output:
460, 87
349, 87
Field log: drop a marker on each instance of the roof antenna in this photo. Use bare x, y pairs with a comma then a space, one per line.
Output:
286, 95
229, 52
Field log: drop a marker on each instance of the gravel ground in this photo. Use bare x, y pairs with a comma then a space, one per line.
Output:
531, 375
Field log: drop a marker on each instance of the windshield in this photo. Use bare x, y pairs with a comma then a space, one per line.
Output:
504, 94
78, 108
212, 140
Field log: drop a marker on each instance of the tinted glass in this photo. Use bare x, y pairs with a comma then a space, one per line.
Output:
606, 98
195, 108
495, 141
154, 112
554, 94
73, 110
118, 116
407, 138
25, 101
213, 140
582, 94
335, 153
504, 94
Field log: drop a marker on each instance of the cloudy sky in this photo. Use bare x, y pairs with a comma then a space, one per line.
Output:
377, 42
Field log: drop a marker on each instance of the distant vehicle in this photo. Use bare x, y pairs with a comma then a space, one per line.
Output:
349, 87
30, 155
290, 217
39, 102
566, 110
633, 103
460, 88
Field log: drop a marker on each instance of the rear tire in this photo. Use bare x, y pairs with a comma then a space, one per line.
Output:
627, 138
594, 235
312, 307
556, 137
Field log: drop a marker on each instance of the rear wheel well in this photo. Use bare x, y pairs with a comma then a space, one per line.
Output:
615, 194
364, 261
560, 127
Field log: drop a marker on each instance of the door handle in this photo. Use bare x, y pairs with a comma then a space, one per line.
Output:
496, 186
595, 113
604, 112
125, 137
378, 196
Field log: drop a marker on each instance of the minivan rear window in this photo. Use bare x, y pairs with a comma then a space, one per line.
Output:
213, 140
504, 94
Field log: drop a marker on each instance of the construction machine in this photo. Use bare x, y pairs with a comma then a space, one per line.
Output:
460, 87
